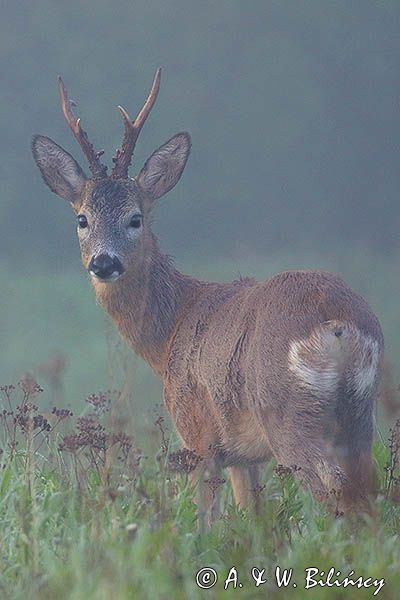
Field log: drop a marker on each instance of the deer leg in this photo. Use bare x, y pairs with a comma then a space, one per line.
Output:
255, 487
206, 484
303, 448
358, 486
244, 481
355, 455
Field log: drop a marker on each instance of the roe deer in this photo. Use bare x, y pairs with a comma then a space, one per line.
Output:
287, 368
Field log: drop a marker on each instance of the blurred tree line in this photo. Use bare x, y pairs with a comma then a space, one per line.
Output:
293, 108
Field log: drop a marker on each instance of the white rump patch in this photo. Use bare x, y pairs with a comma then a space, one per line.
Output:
315, 362
335, 352
366, 361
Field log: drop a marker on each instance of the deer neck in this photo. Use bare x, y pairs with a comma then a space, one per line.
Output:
147, 304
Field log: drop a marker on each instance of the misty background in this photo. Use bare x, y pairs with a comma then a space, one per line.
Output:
293, 108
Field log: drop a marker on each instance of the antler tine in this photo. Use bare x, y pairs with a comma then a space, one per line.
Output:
98, 170
123, 156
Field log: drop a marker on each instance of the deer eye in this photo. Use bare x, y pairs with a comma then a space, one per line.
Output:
82, 221
136, 221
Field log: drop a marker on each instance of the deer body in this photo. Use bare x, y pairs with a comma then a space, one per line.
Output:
287, 368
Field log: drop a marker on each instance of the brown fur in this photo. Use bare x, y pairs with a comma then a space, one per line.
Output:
287, 368
222, 351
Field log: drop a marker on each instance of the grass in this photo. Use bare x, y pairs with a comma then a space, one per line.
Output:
86, 513
100, 519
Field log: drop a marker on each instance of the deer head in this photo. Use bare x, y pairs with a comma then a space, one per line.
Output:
113, 212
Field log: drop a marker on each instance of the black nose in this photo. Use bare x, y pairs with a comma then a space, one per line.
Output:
104, 266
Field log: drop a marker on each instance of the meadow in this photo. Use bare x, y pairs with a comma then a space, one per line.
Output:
87, 513
92, 502
293, 111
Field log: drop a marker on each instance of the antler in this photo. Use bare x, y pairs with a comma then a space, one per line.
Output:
123, 156
99, 171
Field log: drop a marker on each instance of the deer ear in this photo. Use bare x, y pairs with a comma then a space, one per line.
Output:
59, 170
164, 168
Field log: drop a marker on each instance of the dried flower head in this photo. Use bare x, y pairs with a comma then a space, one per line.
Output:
29, 386
183, 461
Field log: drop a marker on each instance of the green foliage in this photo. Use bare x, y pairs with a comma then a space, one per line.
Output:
127, 529
293, 112
126, 549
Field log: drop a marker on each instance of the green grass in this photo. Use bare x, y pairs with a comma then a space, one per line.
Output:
125, 527
134, 533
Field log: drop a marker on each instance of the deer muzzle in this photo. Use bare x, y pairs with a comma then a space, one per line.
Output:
105, 267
